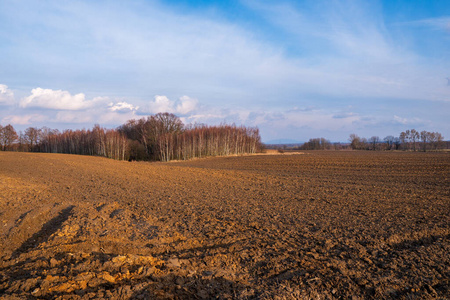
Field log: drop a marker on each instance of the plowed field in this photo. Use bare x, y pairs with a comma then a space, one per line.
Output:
315, 225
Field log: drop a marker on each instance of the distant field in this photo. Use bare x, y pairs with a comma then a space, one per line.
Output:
329, 224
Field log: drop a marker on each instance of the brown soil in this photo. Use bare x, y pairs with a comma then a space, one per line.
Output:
323, 224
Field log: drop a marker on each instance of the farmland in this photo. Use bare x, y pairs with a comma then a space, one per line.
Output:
328, 224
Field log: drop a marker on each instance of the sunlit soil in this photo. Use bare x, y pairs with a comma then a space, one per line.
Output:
306, 225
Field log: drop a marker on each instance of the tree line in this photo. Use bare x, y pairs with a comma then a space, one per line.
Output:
161, 137
410, 139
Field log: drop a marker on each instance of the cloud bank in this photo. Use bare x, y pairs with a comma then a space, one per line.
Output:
47, 108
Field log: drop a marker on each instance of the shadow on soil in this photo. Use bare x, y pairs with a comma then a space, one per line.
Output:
46, 231
425, 241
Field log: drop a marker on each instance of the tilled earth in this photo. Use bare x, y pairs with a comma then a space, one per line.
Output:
328, 225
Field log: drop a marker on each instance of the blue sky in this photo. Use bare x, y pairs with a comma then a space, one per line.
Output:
295, 69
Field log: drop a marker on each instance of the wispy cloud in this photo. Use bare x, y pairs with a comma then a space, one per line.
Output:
409, 121
345, 115
339, 49
441, 23
350, 52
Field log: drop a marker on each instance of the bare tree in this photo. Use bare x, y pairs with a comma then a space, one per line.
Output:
425, 137
22, 144
31, 136
168, 123
397, 143
163, 127
8, 136
364, 144
389, 141
374, 140
414, 136
439, 140
355, 141
404, 139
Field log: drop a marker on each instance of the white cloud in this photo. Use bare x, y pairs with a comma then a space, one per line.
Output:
6, 95
122, 107
60, 107
183, 106
161, 104
186, 105
58, 100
